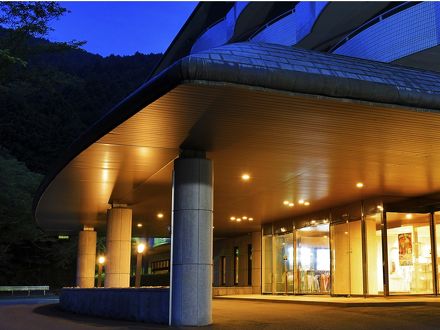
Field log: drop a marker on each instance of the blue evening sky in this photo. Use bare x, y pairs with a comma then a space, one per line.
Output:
122, 28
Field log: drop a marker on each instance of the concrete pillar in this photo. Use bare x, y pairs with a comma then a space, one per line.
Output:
256, 262
86, 260
118, 245
191, 288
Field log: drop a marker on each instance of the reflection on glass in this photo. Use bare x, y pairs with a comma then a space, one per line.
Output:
374, 253
409, 253
347, 258
437, 235
313, 259
322, 261
267, 264
283, 263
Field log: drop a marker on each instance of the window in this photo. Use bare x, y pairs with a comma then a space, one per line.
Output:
249, 264
160, 266
236, 254
409, 253
223, 270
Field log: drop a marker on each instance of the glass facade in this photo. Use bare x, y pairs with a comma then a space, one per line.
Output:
358, 250
409, 253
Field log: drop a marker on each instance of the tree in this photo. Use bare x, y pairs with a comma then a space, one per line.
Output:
47, 98
23, 20
27, 254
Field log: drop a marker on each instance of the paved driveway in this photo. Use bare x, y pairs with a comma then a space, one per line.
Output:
39, 314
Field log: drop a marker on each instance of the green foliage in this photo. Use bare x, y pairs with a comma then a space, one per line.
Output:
27, 254
30, 17
50, 93
24, 22
48, 104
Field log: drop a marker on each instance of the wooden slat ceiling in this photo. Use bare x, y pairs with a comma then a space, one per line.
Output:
293, 146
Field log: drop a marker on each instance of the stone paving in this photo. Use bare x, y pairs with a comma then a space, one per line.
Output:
233, 314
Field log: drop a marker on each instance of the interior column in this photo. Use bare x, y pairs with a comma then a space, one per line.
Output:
191, 287
85, 269
118, 246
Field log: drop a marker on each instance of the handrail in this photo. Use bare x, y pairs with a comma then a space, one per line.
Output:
272, 21
371, 22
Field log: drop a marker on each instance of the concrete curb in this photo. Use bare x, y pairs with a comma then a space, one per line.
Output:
391, 303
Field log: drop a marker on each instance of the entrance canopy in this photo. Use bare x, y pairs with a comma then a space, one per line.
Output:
302, 124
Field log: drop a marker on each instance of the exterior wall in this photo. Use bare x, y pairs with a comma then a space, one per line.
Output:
227, 290
225, 247
145, 305
404, 33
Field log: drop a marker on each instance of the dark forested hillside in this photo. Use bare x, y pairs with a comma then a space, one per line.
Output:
45, 105
47, 99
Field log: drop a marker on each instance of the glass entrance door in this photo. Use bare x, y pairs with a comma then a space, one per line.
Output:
347, 258
283, 263
313, 259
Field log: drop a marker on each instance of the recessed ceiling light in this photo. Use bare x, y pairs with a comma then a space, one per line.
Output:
232, 218
359, 185
160, 215
245, 177
301, 201
286, 202
238, 219
346, 233
139, 225
408, 216
244, 218
291, 204
251, 219
306, 203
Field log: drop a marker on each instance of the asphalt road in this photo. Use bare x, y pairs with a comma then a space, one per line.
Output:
44, 314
